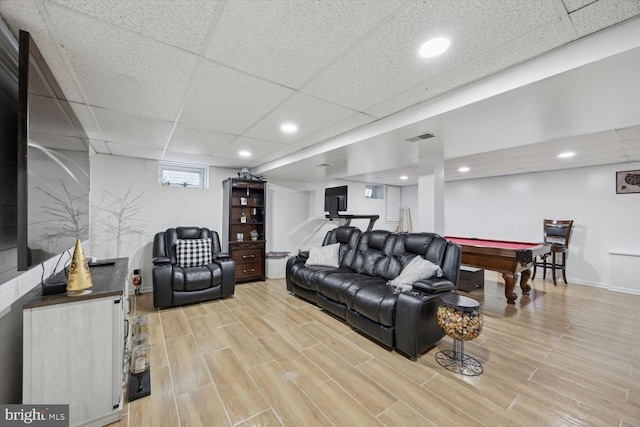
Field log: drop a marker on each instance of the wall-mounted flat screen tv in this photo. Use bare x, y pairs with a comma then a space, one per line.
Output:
335, 199
53, 163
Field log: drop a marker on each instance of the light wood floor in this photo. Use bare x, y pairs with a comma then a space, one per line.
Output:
562, 356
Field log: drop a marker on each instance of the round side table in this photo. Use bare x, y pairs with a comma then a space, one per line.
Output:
459, 317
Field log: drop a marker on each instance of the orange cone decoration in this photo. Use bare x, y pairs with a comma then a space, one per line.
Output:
79, 274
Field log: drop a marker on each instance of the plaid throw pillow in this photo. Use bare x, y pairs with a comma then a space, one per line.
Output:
193, 252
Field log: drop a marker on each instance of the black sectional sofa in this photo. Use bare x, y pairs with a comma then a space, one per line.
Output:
357, 291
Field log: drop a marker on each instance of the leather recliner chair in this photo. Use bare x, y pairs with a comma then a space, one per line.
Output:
175, 285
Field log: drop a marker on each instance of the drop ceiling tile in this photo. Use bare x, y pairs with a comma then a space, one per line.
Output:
597, 138
221, 162
259, 37
17, 10
99, 146
46, 115
276, 154
187, 139
596, 162
132, 129
603, 14
162, 20
516, 51
631, 147
572, 5
341, 127
311, 115
550, 160
229, 101
59, 142
128, 150
485, 172
190, 158
625, 134
538, 157
257, 148
387, 63
114, 64
583, 145
476, 160
600, 149
86, 119
388, 176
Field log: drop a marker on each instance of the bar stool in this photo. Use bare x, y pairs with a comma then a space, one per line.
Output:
557, 233
461, 318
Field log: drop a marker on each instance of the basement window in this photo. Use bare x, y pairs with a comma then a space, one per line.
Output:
374, 191
181, 175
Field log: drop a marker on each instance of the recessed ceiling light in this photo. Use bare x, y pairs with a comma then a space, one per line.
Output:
289, 128
464, 169
434, 47
244, 153
404, 177
566, 155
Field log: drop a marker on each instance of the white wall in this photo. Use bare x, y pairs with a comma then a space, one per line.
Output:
296, 217
513, 207
409, 201
510, 208
130, 183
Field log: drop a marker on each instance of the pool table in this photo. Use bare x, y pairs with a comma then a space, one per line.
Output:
503, 256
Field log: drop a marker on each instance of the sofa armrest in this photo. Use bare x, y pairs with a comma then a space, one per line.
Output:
416, 324
228, 267
221, 255
161, 260
298, 259
162, 286
434, 285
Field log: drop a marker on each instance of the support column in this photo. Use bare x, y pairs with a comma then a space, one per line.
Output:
431, 186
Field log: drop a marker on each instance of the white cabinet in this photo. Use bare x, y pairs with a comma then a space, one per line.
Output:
73, 348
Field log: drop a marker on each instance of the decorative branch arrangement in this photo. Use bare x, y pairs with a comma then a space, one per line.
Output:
122, 218
67, 216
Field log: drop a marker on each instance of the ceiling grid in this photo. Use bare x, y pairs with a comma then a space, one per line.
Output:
199, 80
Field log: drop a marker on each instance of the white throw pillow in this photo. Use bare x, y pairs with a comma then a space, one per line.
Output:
327, 256
419, 268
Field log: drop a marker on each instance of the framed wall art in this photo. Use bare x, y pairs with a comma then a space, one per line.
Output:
628, 182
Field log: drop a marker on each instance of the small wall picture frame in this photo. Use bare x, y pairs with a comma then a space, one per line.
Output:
628, 182
239, 237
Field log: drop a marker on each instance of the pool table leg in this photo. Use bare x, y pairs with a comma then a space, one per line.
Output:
524, 279
510, 284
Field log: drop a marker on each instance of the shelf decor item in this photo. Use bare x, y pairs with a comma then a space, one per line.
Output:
140, 358
79, 280
139, 366
140, 325
140, 370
